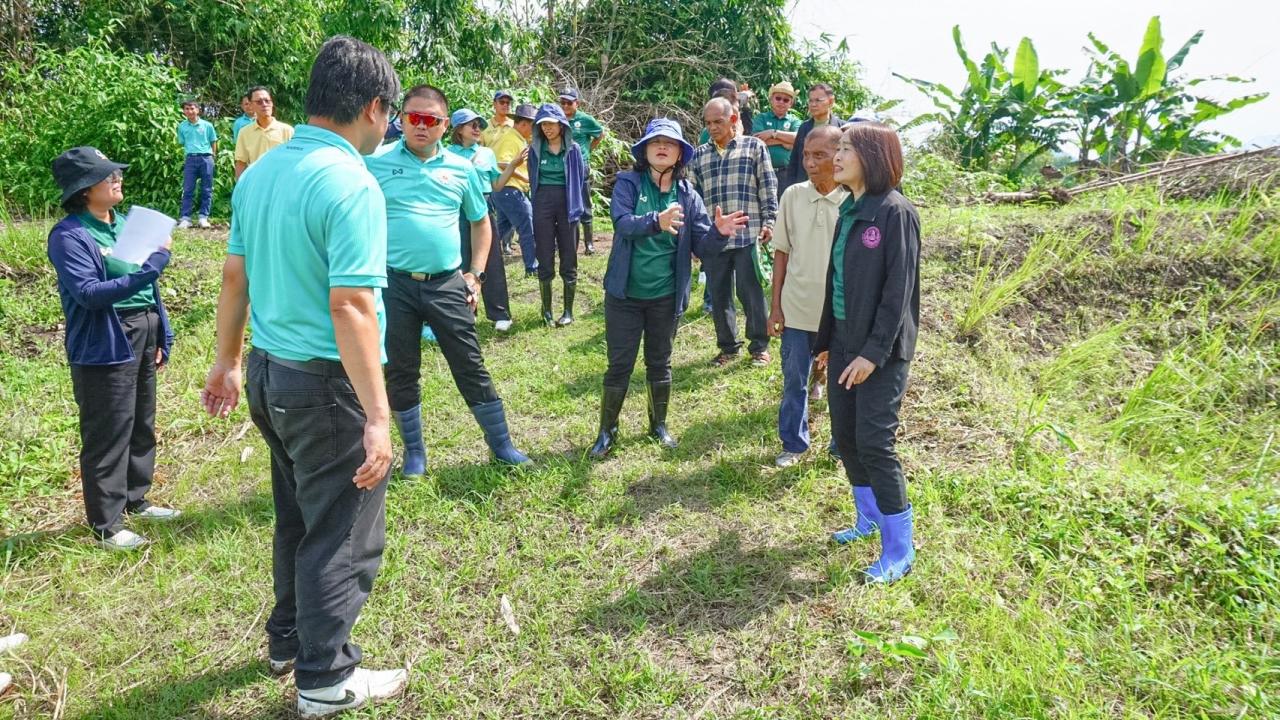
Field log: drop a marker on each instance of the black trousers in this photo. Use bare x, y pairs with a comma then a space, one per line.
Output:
625, 323
864, 423
118, 426
552, 231
442, 304
729, 268
329, 534
497, 305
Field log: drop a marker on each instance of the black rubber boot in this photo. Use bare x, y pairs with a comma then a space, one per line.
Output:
659, 401
587, 238
570, 289
544, 287
610, 406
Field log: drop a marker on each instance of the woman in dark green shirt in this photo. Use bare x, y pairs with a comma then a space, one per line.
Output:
868, 327
558, 185
659, 221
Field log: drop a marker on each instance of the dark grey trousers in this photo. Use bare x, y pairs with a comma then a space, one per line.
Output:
628, 321
329, 534
726, 269
118, 426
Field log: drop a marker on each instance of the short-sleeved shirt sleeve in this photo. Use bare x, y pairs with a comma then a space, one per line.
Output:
474, 205
357, 232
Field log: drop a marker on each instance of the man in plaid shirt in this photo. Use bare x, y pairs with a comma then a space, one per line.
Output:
734, 173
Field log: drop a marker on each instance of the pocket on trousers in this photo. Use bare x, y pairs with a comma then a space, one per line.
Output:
309, 434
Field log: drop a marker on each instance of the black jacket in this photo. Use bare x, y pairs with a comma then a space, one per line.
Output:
881, 282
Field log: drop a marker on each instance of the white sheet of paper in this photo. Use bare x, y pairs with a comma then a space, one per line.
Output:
144, 232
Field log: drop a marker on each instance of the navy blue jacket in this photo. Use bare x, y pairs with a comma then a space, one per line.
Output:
698, 235
575, 168
881, 282
94, 333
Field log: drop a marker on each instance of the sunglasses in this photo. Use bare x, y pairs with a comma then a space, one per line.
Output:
424, 119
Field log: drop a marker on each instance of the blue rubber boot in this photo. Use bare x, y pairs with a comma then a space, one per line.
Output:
428, 334
493, 420
869, 517
415, 453
897, 554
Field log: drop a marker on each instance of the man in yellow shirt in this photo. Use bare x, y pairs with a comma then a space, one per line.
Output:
511, 204
265, 132
501, 118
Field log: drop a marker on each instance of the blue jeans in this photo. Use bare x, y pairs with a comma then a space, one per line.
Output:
793, 413
197, 167
515, 212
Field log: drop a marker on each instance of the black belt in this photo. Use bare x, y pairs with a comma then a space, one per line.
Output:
426, 277
199, 154
135, 311
316, 366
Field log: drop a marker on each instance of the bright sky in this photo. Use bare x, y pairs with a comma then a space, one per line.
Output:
913, 37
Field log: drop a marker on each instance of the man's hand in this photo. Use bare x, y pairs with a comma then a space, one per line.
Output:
858, 371
473, 290
776, 321
729, 224
159, 359
523, 155
671, 219
820, 360
221, 391
766, 234
377, 455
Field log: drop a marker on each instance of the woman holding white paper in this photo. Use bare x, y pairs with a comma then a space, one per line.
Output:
118, 336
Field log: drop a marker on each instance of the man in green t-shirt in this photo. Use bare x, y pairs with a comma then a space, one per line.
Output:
777, 129
587, 133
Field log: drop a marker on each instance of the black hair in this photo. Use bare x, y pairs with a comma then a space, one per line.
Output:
77, 203
824, 87
723, 83
427, 92
347, 75
246, 96
249, 93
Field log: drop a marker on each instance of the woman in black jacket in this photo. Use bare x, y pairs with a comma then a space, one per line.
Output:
868, 328
118, 336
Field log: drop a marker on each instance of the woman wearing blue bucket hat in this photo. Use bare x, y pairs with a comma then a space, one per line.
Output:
659, 221
467, 130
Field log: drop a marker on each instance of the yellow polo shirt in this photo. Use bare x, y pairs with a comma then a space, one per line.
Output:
490, 134
804, 229
506, 145
253, 141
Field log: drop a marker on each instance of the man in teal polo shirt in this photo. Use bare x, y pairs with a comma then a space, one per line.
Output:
305, 264
426, 187
777, 129
200, 143
587, 133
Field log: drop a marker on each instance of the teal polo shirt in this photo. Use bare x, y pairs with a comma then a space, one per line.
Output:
307, 217
423, 200
778, 155
483, 160
238, 125
197, 138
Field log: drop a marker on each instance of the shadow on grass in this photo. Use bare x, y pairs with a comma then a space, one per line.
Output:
179, 697
723, 587
685, 377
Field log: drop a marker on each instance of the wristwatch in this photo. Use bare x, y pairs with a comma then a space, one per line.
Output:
479, 275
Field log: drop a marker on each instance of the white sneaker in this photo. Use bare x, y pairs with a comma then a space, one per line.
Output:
155, 512
123, 540
184, 223
279, 667
502, 325
203, 222
361, 687
787, 459
5, 681
10, 642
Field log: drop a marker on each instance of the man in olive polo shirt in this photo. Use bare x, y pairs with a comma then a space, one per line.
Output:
501, 118
305, 264
511, 204
587, 133
426, 187
265, 132
777, 129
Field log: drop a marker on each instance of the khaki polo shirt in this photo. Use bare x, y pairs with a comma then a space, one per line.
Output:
805, 227
254, 141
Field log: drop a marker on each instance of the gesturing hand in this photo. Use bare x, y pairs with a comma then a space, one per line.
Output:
221, 391
857, 371
671, 219
729, 224
519, 159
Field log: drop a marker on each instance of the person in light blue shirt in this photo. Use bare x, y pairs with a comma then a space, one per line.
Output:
468, 127
305, 265
247, 116
200, 142
426, 187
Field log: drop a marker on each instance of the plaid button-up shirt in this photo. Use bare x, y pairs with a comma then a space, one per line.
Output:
741, 179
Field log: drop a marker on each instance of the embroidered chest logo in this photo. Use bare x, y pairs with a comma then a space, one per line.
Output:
445, 178
871, 237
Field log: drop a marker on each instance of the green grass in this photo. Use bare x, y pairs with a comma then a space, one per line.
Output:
1094, 473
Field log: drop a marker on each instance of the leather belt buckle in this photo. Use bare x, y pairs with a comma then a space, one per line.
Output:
418, 276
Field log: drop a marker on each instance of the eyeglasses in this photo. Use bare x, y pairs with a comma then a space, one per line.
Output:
424, 119
115, 177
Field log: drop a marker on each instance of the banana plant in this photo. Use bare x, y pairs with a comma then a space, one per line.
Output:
1004, 118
